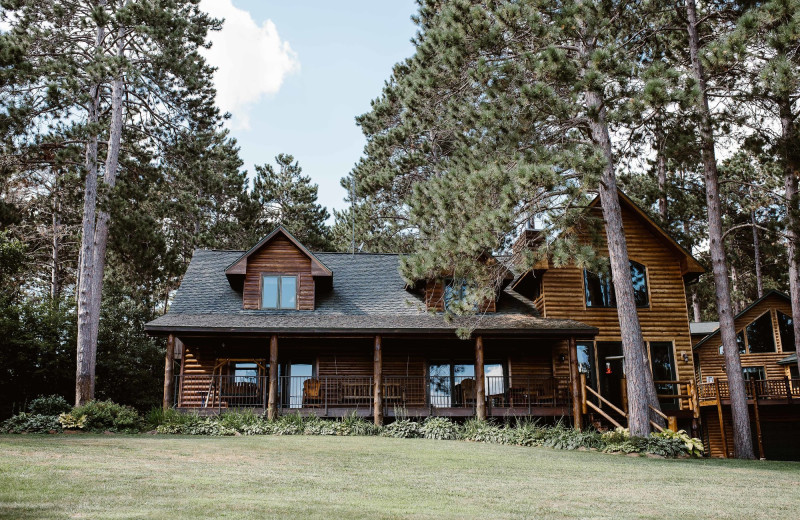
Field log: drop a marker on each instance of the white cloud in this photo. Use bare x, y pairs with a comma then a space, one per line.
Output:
251, 61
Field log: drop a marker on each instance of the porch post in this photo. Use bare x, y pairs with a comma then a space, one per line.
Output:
272, 408
169, 379
575, 384
480, 380
377, 382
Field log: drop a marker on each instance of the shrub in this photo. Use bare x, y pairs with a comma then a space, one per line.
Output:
31, 423
526, 433
291, 424
439, 428
97, 416
352, 424
484, 431
691, 446
49, 405
402, 429
562, 437
238, 420
201, 426
616, 436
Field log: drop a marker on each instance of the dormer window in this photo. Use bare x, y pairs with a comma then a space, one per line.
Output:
278, 292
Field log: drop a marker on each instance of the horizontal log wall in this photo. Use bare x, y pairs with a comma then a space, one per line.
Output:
712, 364
666, 318
279, 256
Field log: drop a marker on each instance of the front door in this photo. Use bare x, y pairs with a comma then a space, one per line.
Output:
612, 371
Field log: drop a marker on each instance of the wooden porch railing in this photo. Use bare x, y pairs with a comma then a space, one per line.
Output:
766, 389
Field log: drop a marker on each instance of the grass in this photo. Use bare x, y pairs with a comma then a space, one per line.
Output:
117, 476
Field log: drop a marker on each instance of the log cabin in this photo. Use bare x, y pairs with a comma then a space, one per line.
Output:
282, 329
765, 338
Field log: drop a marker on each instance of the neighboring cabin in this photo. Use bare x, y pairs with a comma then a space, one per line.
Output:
765, 337
283, 329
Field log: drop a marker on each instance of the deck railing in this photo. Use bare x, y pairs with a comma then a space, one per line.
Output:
765, 389
410, 392
221, 391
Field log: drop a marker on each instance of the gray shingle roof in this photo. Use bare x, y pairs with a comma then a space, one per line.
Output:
368, 295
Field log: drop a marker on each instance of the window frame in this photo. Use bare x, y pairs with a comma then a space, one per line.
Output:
610, 284
279, 286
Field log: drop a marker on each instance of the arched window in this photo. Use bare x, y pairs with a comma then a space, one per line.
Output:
600, 289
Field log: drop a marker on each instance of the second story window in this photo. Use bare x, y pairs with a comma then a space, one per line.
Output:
600, 289
278, 292
456, 294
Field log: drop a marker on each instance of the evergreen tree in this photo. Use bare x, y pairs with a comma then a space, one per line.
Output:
287, 197
506, 111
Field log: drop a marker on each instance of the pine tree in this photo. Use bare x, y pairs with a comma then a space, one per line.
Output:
287, 197
142, 69
767, 38
741, 422
507, 111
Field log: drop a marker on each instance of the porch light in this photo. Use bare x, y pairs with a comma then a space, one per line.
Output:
562, 358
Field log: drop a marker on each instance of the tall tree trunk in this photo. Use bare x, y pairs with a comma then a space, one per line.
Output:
84, 380
661, 169
696, 315
742, 439
109, 179
695, 304
791, 165
641, 390
735, 290
640, 386
55, 285
757, 256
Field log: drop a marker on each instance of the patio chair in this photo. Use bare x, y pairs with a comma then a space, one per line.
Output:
312, 393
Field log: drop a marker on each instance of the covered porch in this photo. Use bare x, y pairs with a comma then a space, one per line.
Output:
376, 376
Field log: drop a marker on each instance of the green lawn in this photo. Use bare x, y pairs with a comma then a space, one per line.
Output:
106, 476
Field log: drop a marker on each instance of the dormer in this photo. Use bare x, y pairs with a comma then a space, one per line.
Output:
444, 291
279, 273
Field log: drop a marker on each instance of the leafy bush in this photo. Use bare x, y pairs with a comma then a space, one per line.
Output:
49, 405
616, 436
526, 433
291, 424
31, 423
439, 428
692, 446
484, 431
402, 429
202, 426
238, 420
562, 437
98, 416
352, 424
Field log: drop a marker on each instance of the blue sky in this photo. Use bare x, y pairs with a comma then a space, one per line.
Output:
297, 73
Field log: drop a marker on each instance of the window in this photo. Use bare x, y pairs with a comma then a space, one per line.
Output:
786, 327
760, 337
739, 342
293, 375
451, 384
586, 362
278, 292
662, 360
244, 372
753, 373
455, 292
599, 288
